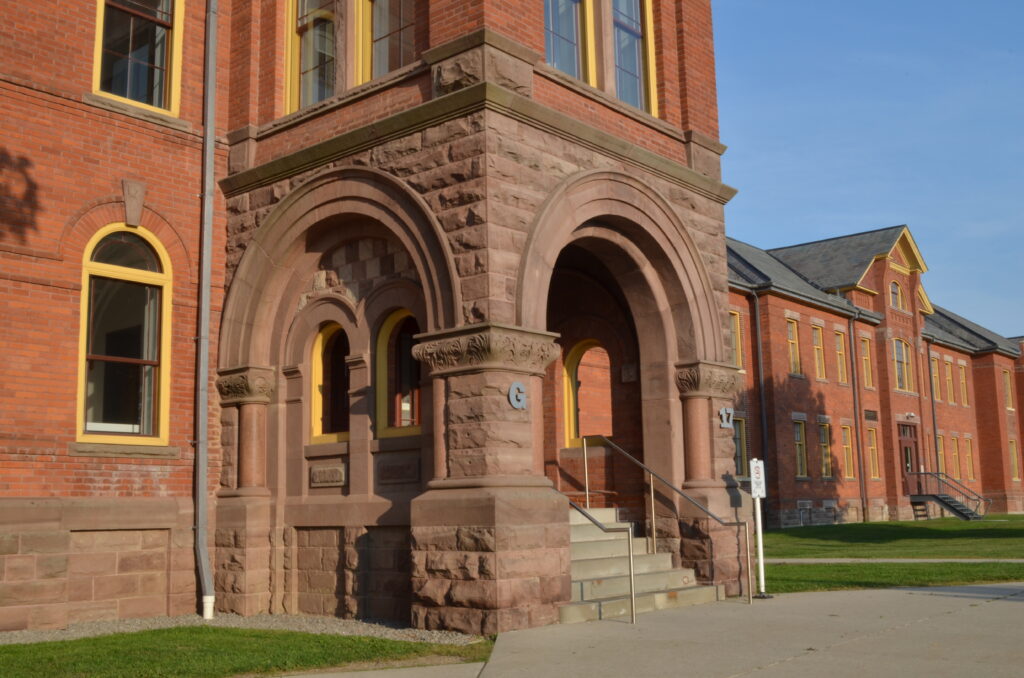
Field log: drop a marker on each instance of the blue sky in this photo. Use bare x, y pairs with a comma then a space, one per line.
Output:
848, 115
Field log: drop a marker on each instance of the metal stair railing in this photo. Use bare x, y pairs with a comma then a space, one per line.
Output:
629, 549
653, 475
932, 483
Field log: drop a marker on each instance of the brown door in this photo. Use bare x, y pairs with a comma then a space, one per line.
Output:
911, 462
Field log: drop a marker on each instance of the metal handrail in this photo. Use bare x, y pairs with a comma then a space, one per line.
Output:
652, 532
629, 549
959, 491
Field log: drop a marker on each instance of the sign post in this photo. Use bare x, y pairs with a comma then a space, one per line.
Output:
758, 490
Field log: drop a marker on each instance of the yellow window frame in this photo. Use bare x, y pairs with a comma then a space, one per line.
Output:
969, 457
570, 369
940, 452
825, 444
162, 280
800, 443
873, 453
737, 339
936, 381
1008, 387
841, 356
865, 357
964, 400
907, 383
848, 462
1014, 461
818, 342
383, 424
173, 57
316, 395
950, 393
954, 455
793, 344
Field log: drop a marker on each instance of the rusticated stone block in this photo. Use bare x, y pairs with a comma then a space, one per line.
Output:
19, 568
431, 591
151, 583
45, 542
48, 617
517, 537
531, 563
310, 558
33, 592
518, 592
475, 594
8, 544
153, 539
92, 611
116, 586
14, 619
146, 606
92, 563
146, 561
80, 588
52, 567
475, 539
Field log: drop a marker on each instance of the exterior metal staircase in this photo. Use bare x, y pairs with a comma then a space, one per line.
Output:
951, 495
601, 572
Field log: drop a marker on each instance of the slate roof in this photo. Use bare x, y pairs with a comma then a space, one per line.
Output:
944, 324
838, 262
752, 267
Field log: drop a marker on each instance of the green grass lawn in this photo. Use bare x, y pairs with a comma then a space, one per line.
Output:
839, 576
999, 536
209, 652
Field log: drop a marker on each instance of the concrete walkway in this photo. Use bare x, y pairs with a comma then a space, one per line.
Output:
903, 633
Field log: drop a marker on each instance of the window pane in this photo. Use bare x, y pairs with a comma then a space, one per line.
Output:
134, 57
335, 384
562, 40
123, 319
158, 9
628, 52
393, 34
120, 397
317, 61
128, 250
405, 377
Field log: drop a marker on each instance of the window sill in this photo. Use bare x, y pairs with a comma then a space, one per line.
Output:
315, 450
796, 375
125, 450
137, 112
398, 440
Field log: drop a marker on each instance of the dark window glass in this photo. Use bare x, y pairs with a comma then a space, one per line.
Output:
628, 38
562, 35
394, 23
122, 357
136, 40
316, 50
128, 250
404, 373
336, 384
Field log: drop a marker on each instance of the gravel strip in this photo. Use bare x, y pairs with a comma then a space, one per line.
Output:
269, 622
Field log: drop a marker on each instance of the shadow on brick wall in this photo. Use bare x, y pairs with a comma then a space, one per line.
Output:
19, 200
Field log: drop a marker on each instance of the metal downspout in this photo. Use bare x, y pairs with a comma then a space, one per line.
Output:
857, 435
935, 418
202, 404
761, 399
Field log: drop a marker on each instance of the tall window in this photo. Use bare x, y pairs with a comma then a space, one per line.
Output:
314, 51
330, 380
135, 49
1014, 461
123, 375
936, 386
841, 357
793, 343
819, 352
825, 443
392, 36
739, 438
950, 393
954, 456
800, 447
1008, 389
969, 457
865, 361
398, 376
940, 452
737, 339
630, 52
963, 385
896, 296
901, 356
873, 453
849, 470
564, 36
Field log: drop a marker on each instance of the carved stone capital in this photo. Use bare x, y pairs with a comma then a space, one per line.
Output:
245, 385
707, 380
486, 346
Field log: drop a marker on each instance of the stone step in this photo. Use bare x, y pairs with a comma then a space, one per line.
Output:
599, 568
605, 515
611, 587
606, 548
591, 532
571, 613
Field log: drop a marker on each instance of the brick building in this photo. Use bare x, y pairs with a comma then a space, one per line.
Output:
858, 389
447, 241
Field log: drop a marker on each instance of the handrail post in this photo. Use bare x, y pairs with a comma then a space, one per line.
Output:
632, 584
586, 473
653, 534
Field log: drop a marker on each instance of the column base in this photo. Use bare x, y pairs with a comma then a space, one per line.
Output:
242, 541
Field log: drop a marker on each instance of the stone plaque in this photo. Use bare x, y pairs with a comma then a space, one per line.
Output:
328, 475
394, 469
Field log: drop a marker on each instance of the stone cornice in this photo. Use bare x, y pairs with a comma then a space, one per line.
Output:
245, 385
486, 346
707, 380
482, 96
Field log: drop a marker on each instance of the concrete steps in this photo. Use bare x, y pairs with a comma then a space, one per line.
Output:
600, 574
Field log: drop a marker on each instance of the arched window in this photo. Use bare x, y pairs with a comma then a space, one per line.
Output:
125, 333
896, 296
398, 376
903, 364
330, 381
588, 392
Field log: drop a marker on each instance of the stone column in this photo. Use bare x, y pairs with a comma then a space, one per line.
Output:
491, 535
715, 552
242, 539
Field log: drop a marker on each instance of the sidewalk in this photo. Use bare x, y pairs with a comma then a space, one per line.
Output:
903, 633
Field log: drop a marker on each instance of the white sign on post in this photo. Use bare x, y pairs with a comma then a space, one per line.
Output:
759, 491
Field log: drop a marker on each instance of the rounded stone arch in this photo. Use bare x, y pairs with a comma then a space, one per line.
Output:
632, 223
330, 308
371, 200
